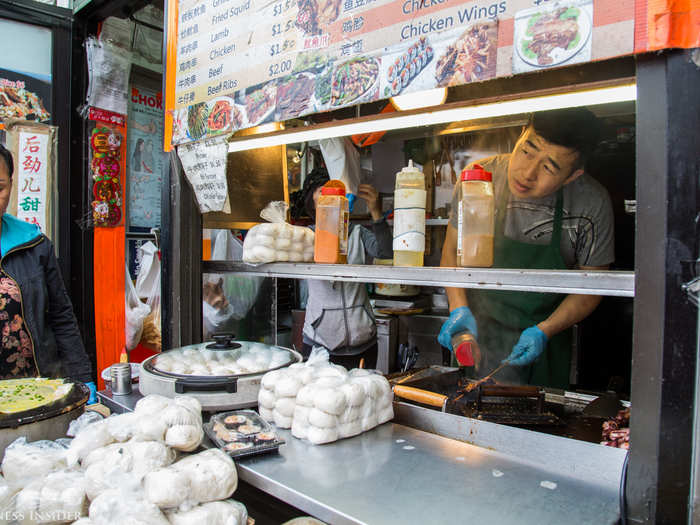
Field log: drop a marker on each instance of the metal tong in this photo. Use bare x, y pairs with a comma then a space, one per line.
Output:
408, 356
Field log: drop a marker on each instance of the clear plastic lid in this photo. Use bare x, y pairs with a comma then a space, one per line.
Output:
223, 358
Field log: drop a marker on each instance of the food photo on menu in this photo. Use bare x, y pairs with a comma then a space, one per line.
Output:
355, 81
294, 96
552, 36
408, 68
23, 96
470, 58
258, 102
314, 16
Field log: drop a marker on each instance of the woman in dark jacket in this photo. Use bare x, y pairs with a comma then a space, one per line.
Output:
39, 332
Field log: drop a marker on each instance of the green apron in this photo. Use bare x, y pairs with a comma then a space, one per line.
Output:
503, 315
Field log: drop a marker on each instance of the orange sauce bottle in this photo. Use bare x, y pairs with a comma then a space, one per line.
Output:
332, 216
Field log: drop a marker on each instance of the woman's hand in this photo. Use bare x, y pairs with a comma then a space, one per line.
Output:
370, 195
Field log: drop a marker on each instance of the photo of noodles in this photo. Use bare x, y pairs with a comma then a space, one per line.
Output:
472, 57
20, 103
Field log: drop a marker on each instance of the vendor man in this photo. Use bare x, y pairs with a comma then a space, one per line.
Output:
550, 215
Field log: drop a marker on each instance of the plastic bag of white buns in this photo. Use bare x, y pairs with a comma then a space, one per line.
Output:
279, 388
58, 497
278, 241
24, 461
332, 408
226, 512
198, 478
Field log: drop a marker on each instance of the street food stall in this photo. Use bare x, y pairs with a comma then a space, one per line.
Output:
252, 94
375, 52
370, 57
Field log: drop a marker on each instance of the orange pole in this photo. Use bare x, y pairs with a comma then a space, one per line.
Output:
110, 320
170, 69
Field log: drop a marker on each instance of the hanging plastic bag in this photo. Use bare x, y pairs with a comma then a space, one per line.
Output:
149, 278
241, 291
136, 312
343, 163
277, 240
149, 271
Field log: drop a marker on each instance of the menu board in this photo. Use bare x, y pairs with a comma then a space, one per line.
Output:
240, 63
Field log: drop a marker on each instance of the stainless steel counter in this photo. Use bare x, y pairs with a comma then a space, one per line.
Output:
399, 474
395, 474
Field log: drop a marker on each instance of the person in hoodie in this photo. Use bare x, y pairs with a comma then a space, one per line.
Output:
40, 336
339, 316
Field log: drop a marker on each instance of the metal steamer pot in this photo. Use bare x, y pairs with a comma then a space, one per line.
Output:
45, 422
214, 392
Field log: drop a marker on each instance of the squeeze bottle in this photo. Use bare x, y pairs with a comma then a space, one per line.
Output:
466, 350
409, 217
332, 214
475, 225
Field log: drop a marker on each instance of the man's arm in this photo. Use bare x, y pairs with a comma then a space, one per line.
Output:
573, 308
456, 297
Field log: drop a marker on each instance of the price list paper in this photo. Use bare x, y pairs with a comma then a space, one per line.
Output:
204, 164
240, 63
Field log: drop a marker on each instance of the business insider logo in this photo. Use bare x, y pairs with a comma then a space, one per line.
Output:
33, 516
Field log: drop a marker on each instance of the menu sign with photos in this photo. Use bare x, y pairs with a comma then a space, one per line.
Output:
240, 63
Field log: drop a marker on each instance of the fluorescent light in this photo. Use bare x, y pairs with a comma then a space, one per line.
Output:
420, 99
438, 115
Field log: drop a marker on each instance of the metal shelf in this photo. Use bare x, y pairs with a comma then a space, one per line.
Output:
613, 283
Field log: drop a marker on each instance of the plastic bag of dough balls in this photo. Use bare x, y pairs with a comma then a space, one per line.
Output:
227, 512
89, 438
25, 461
199, 478
135, 458
59, 493
277, 241
121, 507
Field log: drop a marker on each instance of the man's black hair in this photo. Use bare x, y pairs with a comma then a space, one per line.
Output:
6, 156
303, 200
575, 128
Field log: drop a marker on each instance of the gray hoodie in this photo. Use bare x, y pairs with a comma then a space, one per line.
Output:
338, 314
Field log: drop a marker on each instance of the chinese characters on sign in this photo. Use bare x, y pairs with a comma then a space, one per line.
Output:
33, 158
205, 167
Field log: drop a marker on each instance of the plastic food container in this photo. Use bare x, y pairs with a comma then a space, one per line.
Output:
242, 433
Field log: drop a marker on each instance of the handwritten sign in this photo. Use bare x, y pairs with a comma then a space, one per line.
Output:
32, 180
205, 168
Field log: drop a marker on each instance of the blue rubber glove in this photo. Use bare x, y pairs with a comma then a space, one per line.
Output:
93, 392
460, 319
529, 347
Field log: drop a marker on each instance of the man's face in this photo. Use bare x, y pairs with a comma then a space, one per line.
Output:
538, 168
